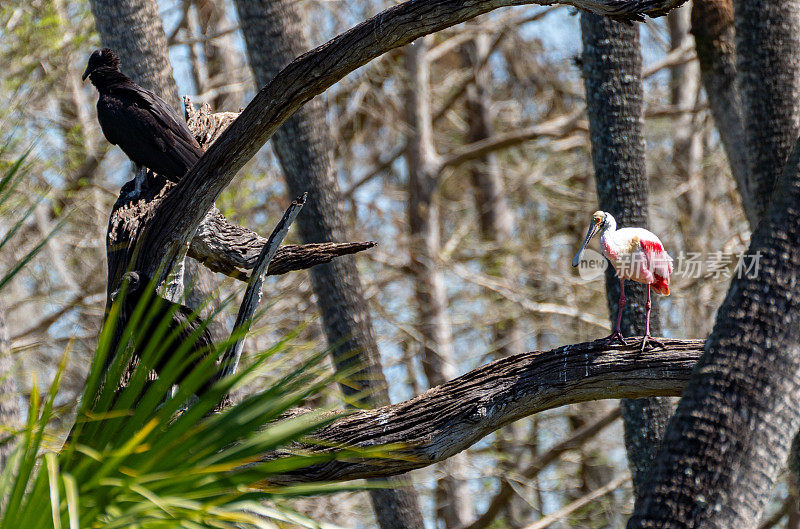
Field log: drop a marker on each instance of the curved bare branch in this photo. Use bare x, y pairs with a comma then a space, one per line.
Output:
449, 418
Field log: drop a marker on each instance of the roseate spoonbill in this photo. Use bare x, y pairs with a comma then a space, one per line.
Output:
636, 254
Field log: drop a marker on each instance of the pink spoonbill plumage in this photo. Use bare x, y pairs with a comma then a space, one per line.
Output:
636, 254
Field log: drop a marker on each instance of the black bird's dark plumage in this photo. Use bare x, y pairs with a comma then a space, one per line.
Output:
145, 127
183, 322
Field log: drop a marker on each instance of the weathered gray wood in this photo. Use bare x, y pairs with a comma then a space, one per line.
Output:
731, 434
449, 418
232, 250
252, 295
219, 244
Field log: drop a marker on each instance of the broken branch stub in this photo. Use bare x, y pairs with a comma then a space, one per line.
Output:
252, 295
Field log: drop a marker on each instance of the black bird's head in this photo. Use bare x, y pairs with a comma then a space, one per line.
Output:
104, 60
133, 281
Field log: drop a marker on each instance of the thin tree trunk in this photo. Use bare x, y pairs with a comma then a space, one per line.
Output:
124, 25
687, 151
224, 64
433, 321
768, 66
494, 215
438, 361
274, 37
612, 67
733, 427
714, 35
496, 223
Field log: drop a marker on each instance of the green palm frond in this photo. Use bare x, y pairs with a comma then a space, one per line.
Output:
143, 455
10, 178
154, 451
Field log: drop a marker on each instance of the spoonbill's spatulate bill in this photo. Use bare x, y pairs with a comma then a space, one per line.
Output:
636, 254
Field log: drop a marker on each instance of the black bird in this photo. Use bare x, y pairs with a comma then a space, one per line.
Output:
145, 127
181, 319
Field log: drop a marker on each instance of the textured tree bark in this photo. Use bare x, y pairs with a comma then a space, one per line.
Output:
768, 67
274, 37
123, 26
10, 396
612, 67
776, 120
712, 27
452, 417
733, 427
433, 320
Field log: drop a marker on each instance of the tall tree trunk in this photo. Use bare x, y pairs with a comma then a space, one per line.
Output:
494, 215
10, 396
223, 62
433, 321
714, 36
772, 27
768, 66
274, 37
612, 68
134, 30
733, 427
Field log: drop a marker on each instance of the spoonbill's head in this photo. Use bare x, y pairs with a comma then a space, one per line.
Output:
600, 221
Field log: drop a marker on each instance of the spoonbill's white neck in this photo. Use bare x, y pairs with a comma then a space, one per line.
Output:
609, 225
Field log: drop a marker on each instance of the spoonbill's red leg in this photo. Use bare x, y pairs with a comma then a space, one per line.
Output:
647, 337
617, 334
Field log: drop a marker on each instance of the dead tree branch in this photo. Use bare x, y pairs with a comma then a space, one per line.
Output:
252, 295
219, 244
449, 418
232, 249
